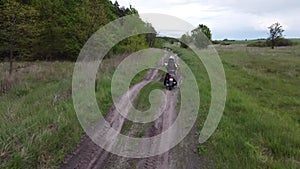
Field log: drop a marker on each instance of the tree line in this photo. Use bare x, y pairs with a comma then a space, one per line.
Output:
58, 29
201, 37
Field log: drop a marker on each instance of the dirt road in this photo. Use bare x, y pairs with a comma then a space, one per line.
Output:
90, 156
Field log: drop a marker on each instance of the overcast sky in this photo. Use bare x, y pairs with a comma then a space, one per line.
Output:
233, 19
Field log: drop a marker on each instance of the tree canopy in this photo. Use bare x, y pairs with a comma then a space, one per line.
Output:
201, 37
185, 40
57, 29
276, 31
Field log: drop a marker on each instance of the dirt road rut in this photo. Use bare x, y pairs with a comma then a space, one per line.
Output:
90, 156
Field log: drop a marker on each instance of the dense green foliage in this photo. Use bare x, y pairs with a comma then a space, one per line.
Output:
161, 41
275, 33
185, 40
269, 43
57, 29
204, 29
201, 37
17, 26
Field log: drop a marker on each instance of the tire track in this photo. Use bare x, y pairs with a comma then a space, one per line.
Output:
88, 155
184, 155
168, 117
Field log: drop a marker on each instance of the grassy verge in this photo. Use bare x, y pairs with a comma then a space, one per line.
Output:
38, 124
138, 77
260, 126
142, 101
36, 115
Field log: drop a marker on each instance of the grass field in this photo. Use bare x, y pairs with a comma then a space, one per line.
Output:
38, 124
37, 117
243, 42
260, 127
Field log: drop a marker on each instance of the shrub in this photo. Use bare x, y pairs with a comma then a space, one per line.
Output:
258, 44
183, 45
216, 42
224, 43
268, 43
283, 42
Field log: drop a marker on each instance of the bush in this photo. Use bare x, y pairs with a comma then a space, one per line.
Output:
183, 45
268, 43
224, 43
258, 44
216, 42
281, 42
160, 43
227, 40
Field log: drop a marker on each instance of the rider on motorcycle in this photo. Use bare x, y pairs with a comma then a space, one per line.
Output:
171, 65
171, 70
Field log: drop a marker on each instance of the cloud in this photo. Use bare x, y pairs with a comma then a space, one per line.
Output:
229, 18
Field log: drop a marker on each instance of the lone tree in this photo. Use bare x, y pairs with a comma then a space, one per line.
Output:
200, 40
275, 33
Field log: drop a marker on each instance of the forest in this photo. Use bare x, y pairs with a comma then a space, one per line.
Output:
57, 29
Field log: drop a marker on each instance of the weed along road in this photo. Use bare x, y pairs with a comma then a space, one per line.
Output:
90, 155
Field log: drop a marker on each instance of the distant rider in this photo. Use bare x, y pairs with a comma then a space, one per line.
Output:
171, 67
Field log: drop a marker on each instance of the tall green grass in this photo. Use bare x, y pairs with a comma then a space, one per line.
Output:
38, 124
36, 115
260, 127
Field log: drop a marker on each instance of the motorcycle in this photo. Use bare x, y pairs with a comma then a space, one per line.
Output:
170, 81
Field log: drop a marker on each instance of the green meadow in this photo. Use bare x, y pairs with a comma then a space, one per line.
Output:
260, 127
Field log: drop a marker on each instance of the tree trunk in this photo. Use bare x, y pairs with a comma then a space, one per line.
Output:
10, 62
273, 44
